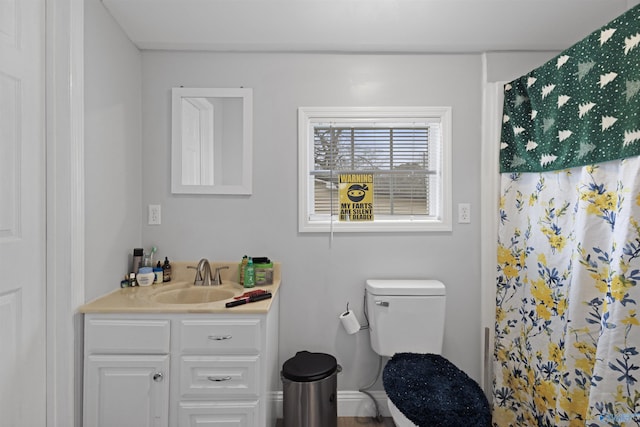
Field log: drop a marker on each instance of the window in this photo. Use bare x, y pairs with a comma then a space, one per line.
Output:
401, 154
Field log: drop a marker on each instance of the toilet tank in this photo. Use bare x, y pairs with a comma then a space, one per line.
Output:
405, 315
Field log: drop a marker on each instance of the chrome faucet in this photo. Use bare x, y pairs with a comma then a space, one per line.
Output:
203, 273
204, 276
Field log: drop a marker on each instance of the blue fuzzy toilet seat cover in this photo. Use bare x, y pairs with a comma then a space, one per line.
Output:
432, 392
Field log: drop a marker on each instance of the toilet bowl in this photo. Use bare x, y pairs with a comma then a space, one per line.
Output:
398, 417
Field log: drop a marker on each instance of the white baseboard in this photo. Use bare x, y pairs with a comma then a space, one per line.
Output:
351, 403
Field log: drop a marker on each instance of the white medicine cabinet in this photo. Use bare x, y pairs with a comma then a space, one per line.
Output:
211, 140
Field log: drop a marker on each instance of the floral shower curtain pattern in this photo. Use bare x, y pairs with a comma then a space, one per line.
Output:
567, 337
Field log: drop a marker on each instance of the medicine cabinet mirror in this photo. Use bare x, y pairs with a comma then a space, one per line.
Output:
211, 140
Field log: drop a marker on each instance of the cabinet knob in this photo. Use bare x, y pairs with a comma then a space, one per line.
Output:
158, 377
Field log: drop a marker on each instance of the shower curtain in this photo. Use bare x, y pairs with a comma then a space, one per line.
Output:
567, 332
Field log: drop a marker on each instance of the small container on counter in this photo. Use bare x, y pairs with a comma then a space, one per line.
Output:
264, 274
145, 276
166, 270
159, 274
243, 265
263, 271
147, 260
136, 261
249, 275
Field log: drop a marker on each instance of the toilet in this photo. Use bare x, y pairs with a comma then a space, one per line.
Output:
406, 323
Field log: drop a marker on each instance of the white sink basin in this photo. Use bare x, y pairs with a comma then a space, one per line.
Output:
190, 294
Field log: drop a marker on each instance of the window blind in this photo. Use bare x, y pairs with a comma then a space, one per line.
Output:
398, 157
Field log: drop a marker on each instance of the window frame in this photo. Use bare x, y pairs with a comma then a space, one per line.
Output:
309, 116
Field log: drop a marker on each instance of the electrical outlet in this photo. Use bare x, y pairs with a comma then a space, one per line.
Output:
464, 213
154, 214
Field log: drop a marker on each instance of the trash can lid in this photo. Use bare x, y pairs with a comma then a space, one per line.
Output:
306, 366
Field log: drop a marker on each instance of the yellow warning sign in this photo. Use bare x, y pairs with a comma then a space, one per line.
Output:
356, 197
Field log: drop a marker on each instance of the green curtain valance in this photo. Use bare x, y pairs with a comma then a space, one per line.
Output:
581, 107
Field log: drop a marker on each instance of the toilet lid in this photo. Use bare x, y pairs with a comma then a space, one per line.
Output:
405, 287
429, 390
306, 366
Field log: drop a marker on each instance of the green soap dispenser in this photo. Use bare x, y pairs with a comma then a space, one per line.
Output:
249, 274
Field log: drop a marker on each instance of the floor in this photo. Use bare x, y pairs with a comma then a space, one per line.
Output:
357, 422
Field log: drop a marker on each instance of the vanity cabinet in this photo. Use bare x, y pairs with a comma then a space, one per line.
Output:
181, 369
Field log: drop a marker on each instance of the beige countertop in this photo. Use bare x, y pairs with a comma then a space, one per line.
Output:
141, 299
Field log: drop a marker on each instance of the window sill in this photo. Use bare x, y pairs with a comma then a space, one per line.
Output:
376, 226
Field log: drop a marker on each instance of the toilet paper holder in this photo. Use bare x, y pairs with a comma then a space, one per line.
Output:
350, 322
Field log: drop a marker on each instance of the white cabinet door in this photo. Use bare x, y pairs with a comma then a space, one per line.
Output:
126, 391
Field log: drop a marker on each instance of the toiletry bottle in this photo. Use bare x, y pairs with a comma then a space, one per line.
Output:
166, 270
243, 265
249, 278
159, 273
137, 260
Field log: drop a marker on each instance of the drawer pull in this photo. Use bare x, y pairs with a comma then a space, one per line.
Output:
219, 379
220, 337
158, 377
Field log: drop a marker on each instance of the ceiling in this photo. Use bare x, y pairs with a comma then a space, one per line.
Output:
401, 26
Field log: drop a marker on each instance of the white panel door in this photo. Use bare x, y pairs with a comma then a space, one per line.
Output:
22, 215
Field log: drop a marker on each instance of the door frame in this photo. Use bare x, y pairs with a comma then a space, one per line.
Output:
490, 191
64, 89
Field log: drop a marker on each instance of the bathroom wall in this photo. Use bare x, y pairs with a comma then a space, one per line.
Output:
127, 164
320, 275
113, 173
507, 66
127, 167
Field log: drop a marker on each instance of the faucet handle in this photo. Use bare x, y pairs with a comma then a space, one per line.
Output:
198, 280
217, 280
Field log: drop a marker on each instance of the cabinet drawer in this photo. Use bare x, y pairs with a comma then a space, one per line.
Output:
220, 336
127, 336
217, 414
219, 376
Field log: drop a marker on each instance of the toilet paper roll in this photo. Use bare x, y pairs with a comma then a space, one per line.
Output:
350, 322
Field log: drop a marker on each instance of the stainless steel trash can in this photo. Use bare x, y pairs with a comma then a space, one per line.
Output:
309, 383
